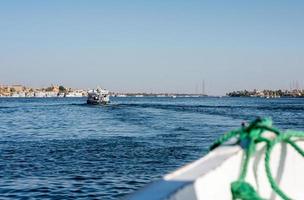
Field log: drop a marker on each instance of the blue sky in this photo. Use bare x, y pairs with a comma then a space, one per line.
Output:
152, 46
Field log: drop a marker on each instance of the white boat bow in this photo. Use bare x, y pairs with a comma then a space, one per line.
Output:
210, 177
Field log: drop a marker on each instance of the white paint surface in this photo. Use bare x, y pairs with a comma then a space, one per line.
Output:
210, 177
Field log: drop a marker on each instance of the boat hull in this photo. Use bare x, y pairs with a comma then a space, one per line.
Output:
210, 176
90, 102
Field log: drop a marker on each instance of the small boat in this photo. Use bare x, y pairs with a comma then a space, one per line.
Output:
98, 97
254, 162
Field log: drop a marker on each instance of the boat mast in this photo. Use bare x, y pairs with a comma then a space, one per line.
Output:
203, 87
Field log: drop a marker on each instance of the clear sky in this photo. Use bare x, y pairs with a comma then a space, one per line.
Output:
152, 46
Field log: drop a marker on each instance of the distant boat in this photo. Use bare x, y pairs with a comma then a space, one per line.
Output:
74, 94
15, 95
121, 95
98, 97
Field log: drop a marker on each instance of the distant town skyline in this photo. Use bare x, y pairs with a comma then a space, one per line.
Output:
153, 46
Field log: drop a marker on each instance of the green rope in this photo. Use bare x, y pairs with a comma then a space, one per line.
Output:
248, 137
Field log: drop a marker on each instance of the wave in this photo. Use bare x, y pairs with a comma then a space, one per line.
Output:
4, 107
181, 129
200, 108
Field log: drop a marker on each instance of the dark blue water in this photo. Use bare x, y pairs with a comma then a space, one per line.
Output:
62, 148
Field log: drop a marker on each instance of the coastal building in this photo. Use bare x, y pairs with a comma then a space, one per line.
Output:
51, 94
39, 94
17, 88
5, 91
53, 88
30, 94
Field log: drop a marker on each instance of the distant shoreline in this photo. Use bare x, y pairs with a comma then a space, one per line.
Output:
117, 95
20, 91
155, 96
293, 93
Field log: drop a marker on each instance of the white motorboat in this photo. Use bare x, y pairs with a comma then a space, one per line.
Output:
225, 172
98, 96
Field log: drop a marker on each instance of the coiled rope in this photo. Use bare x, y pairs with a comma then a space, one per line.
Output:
248, 137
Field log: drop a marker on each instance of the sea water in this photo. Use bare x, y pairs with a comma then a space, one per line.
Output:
61, 148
